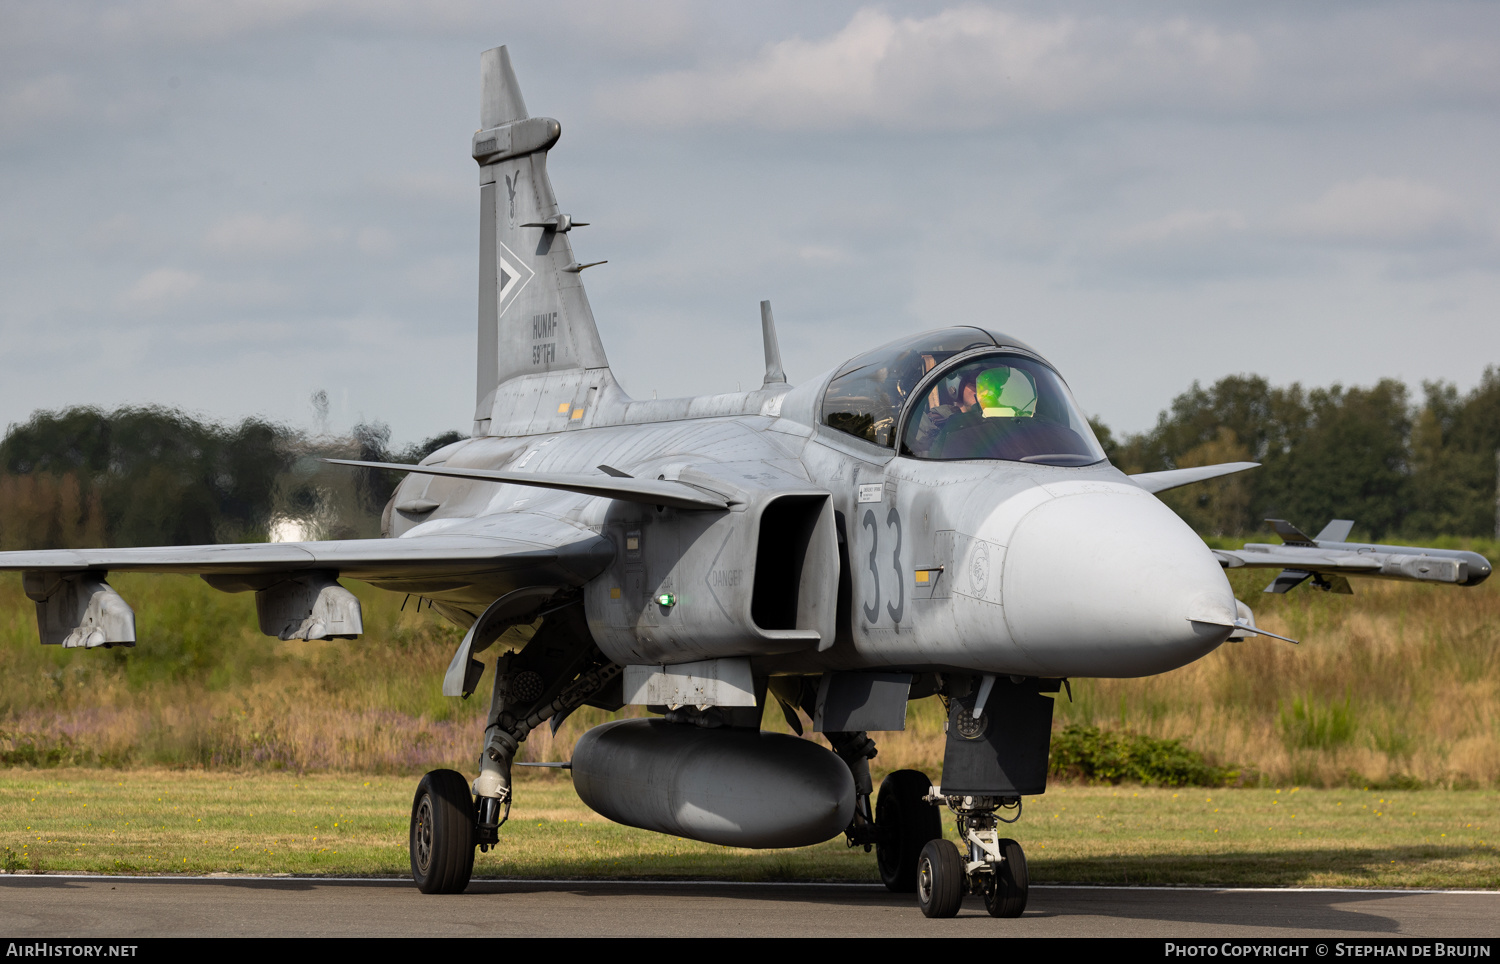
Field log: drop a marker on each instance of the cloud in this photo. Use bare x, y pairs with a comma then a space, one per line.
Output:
259, 236
126, 24
438, 275
964, 67
972, 67
1181, 227
376, 241
151, 22
1185, 247
160, 289
36, 100
1380, 210
823, 254
120, 232
428, 187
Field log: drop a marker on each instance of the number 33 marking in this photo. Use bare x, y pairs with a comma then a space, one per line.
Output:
898, 608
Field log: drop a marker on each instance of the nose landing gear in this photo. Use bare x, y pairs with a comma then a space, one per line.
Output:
995, 868
999, 731
913, 856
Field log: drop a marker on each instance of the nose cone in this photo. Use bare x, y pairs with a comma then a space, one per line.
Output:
1107, 581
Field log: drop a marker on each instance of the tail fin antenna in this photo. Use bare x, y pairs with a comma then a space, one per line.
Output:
500, 99
775, 374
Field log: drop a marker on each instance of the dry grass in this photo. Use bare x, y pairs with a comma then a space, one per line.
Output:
1396, 686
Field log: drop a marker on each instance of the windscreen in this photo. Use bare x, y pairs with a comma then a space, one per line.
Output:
1001, 406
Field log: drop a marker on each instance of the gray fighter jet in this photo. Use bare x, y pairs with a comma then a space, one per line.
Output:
934, 517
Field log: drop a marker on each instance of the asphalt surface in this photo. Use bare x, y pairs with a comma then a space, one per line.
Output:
63, 906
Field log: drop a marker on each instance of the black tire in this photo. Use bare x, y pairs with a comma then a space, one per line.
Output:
1005, 893
940, 879
442, 833
905, 822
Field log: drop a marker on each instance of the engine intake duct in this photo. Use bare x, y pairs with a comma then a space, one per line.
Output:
757, 579
789, 564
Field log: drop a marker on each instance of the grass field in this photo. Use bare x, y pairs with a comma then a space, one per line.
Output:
1368, 755
1398, 686
160, 821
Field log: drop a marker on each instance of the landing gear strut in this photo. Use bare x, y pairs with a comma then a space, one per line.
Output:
999, 730
558, 671
995, 868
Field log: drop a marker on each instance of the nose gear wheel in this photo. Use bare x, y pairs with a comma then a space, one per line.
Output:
1006, 889
940, 879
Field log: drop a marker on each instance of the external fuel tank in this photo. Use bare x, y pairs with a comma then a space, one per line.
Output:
736, 787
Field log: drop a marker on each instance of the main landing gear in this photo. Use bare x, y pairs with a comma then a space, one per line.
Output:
904, 823
559, 670
442, 833
995, 868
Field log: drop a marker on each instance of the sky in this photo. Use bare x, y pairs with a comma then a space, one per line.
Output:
228, 207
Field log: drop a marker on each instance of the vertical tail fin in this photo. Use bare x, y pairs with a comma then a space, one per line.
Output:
775, 374
534, 317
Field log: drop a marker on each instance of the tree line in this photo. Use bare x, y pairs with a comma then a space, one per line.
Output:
153, 476
1367, 454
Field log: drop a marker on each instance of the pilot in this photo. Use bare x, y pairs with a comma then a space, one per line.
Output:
1000, 394
1006, 392
938, 419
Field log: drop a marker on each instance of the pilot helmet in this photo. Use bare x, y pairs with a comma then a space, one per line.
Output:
1006, 392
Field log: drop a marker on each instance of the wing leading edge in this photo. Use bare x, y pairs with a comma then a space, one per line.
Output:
612, 485
1172, 478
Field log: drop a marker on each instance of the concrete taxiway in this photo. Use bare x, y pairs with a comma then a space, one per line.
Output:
72, 906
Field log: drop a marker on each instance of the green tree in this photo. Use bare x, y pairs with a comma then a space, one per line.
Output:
1454, 445
154, 476
1326, 453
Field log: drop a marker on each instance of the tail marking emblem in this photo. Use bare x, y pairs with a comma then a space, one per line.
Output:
512, 273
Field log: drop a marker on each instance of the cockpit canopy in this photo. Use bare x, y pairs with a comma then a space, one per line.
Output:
965, 393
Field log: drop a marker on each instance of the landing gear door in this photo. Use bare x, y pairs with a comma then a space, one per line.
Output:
1003, 752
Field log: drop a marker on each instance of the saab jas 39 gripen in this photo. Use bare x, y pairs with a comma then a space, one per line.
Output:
934, 517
